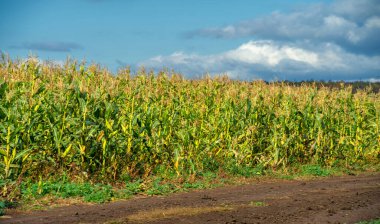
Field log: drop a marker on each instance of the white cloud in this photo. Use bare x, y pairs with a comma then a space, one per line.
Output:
269, 59
268, 53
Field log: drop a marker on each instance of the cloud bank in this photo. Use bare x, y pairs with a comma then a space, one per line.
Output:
270, 60
332, 41
49, 46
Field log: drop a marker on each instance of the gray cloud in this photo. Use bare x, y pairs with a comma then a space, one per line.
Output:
356, 10
352, 24
49, 46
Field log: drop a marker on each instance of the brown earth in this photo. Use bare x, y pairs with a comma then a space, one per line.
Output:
347, 199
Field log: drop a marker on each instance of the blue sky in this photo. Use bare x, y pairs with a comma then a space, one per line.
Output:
244, 39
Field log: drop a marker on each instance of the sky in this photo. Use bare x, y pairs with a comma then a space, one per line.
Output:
244, 39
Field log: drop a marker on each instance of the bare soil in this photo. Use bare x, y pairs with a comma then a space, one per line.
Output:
348, 199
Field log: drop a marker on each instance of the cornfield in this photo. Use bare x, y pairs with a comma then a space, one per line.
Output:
82, 120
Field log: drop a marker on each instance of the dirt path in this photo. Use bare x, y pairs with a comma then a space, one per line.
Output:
329, 200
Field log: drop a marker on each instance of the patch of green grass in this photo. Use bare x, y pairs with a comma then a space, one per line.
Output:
247, 171
6, 204
160, 188
2, 208
98, 193
315, 170
208, 175
375, 221
195, 185
258, 203
134, 187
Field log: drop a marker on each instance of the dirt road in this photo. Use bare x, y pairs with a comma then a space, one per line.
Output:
329, 200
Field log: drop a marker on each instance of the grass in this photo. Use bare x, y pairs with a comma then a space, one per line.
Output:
159, 188
375, 221
91, 193
6, 205
315, 170
258, 203
2, 208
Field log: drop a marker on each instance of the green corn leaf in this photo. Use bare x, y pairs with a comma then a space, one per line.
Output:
67, 150
3, 152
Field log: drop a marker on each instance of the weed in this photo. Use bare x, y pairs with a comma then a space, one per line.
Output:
4, 204
134, 187
159, 188
90, 193
247, 171
375, 221
258, 204
315, 170
2, 208
195, 185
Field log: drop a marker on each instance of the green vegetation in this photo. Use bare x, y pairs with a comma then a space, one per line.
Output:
257, 203
377, 221
89, 192
90, 126
315, 170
